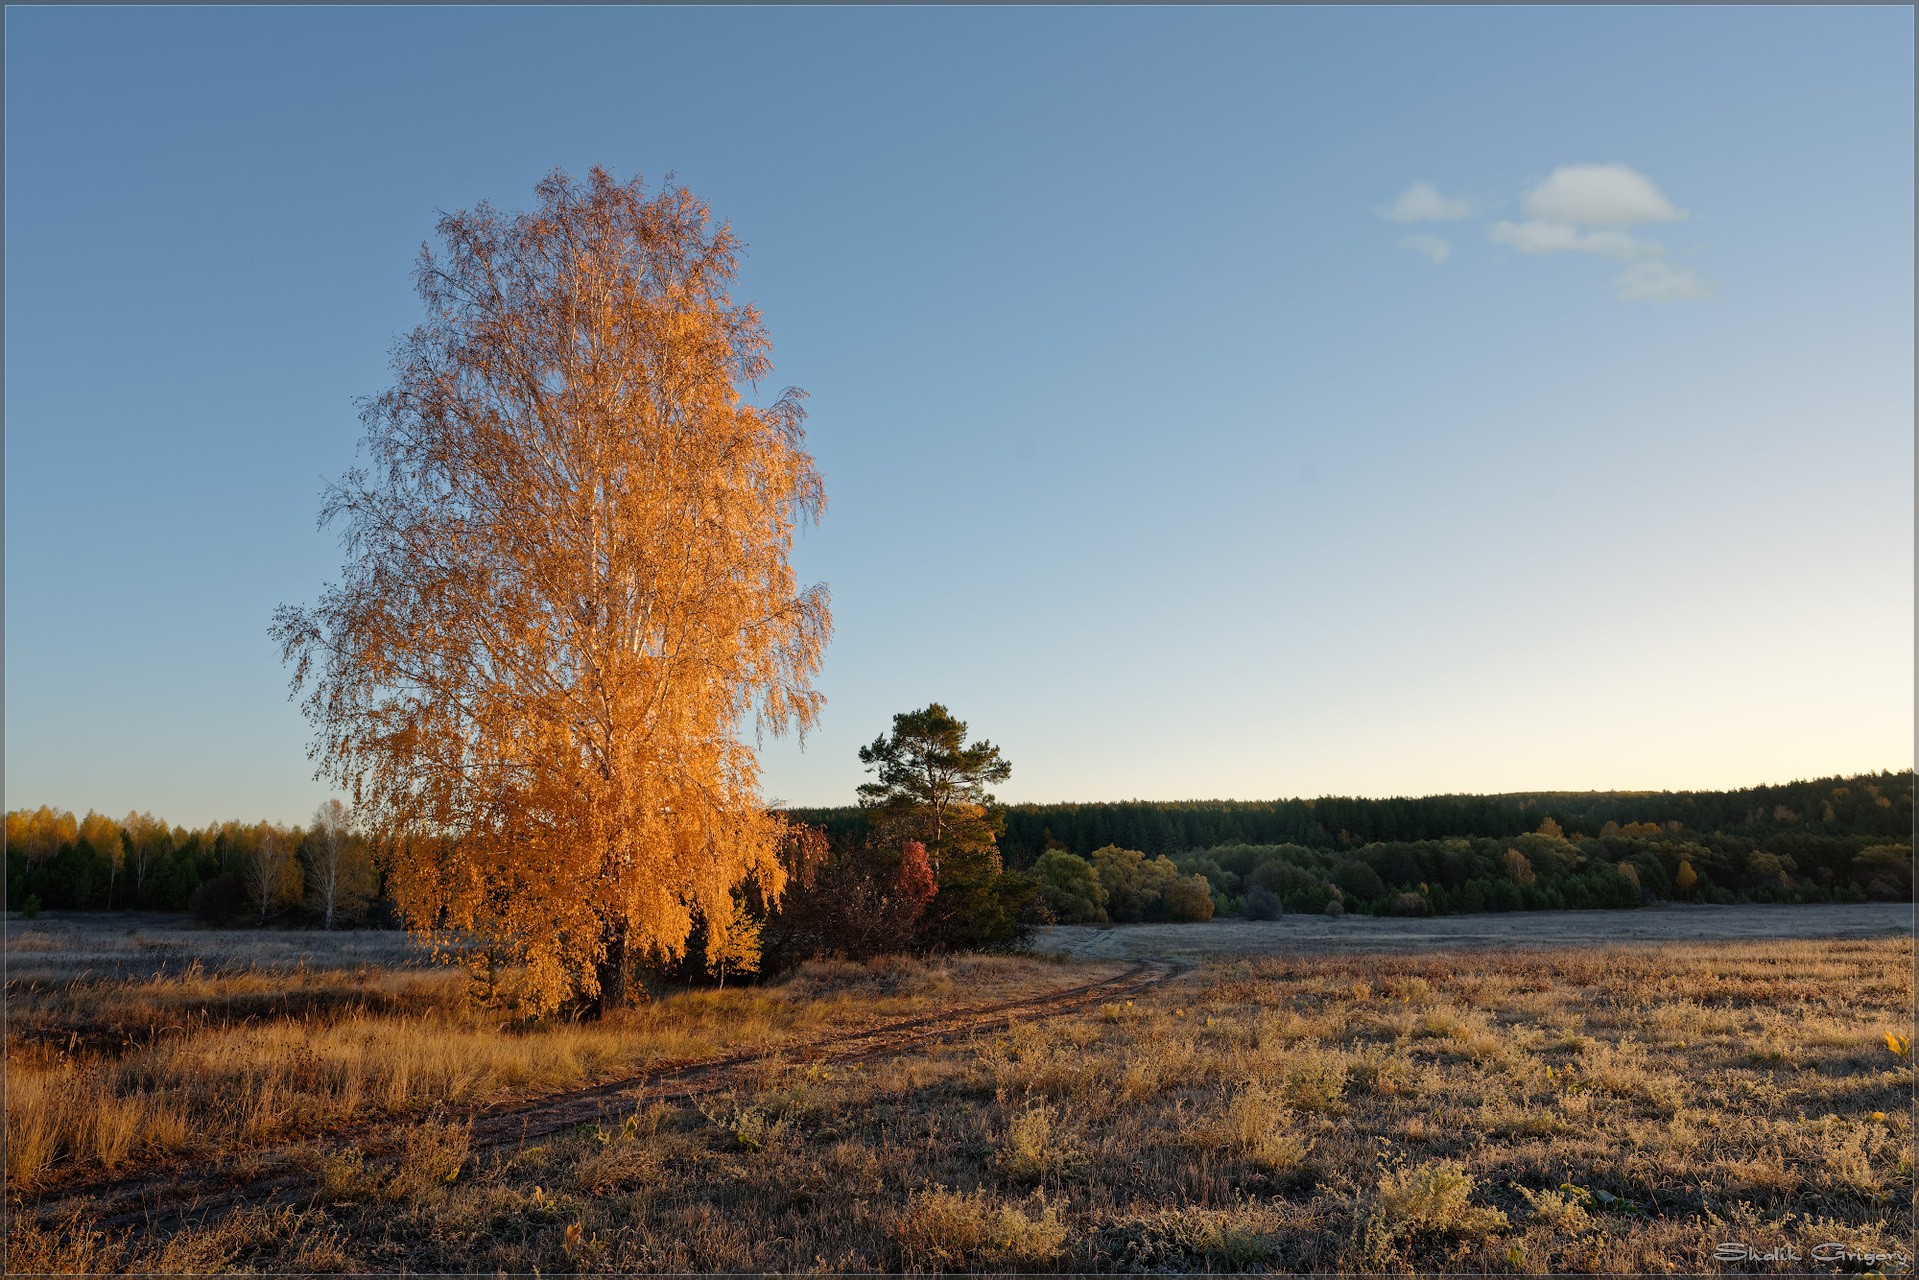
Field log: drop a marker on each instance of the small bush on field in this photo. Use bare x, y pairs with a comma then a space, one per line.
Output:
1315, 1082
1408, 989
1558, 1211
751, 1126
1034, 1147
1257, 1126
1380, 1071
1188, 1239
342, 1175
947, 1230
1432, 1200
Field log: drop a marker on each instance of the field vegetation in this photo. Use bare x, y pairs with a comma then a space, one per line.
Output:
115, 1074
1626, 1109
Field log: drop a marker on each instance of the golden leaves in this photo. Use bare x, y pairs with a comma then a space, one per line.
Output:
567, 585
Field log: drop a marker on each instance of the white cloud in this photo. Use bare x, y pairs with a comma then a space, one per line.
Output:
1586, 208
1422, 202
1579, 208
1436, 248
1600, 195
1540, 236
1656, 280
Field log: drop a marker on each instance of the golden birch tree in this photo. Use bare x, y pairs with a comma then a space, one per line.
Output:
568, 590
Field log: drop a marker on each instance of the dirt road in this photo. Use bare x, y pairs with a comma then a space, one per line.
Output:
1292, 935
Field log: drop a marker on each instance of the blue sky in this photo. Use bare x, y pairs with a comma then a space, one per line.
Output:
1154, 447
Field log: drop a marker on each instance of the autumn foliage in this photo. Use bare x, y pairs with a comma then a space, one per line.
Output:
567, 590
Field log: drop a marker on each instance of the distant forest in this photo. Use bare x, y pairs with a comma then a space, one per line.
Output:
1851, 813
1829, 840
1832, 839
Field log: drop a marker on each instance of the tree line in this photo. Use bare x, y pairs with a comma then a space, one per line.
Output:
1544, 870
226, 872
1860, 811
929, 862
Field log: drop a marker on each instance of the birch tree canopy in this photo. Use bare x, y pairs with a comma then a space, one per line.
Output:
567, 600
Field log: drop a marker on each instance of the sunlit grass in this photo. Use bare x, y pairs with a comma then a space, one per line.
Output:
199, 1073
1530, 1111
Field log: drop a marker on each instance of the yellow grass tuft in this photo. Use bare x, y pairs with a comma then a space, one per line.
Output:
943, 1230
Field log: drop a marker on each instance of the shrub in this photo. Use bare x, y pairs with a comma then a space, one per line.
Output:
1135, 888
31, 907
1357, 880
951, 1230
851, 903
1612, 888
1072, 887
979, 907
1189, 898
1411, 904
221, 901
1261, 904
342, 1176
1297, 888
1282, 877
1033, 1147
1558, 1211
1315, 1082
1884, 872
1258, 1126
1433, 1200
1313, 898
1335, 908
1223, 882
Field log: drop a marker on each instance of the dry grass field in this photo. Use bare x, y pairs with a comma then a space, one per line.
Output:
1590, 1109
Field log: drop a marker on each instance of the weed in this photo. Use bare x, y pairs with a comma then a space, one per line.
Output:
1560, 1212
1258, 1126
343, 1175
1033, 1147
431, 1157
943, 1230
750, 1125
1379, 1071
1433, 1200
1314, 1082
